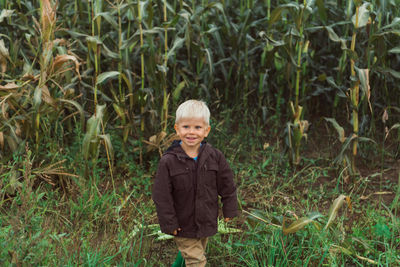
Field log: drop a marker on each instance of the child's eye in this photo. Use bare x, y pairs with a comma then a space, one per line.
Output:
185, 126
198, 127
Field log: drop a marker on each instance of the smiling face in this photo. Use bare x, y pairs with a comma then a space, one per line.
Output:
191, 132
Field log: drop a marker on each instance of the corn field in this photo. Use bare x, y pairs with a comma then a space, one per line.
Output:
294, 62
97, 82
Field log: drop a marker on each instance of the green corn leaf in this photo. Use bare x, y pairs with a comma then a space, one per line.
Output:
321, 10
276, 14
395, 22
217, 5
210, 61
5, 13
90, 140
131, 42
107, 75
108, 53
300, 223
395, 50
394, 73
142, 9
297, 134
107, 141
162, 236
37, 97
177, 91
177, 44
333, 210
74, 34
363, 76
155, 30
11, 143
93, 40
345, 146
363, 16
127, 78
396, 126
107, 16
334, 37
78, 107
134, 39
224, 229
338, 128
120, 112
13, 183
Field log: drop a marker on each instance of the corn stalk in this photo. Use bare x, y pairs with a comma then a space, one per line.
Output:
299, 126
164, 110
354, 94
360, 19
142, 97
47, 27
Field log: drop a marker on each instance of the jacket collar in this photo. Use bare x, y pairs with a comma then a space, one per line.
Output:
178, 151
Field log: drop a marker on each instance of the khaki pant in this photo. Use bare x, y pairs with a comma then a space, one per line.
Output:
193, 250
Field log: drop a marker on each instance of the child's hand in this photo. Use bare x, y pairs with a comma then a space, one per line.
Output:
227, 219
175, 232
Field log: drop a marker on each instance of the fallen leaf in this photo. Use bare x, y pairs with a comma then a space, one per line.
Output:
376, 193
9, 86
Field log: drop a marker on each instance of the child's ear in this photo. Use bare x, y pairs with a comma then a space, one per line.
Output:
176, 127
208, 129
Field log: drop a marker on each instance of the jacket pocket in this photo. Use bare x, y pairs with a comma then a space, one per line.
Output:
211, 171
180, 178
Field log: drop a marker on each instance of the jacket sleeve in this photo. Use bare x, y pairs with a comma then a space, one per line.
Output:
162, 197
226, 188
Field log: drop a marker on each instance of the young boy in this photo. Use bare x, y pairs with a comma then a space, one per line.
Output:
191, 175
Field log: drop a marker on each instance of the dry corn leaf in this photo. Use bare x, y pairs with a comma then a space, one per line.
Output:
18, 130
385, 116
336, 248
376, 193
4, 55
333, 210
14, 257
300, 223
48, 18
1, 140
161, 136
4, 108
265, 146
367, 259
153, 139
61, 59
46, 96
9, 86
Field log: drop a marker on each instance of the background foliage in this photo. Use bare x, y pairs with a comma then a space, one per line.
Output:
88, 91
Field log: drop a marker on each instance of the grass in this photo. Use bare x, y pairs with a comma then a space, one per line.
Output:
88, 223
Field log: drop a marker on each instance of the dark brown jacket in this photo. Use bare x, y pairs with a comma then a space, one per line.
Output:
186, 191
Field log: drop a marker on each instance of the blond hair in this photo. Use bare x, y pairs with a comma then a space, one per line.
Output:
193, 109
